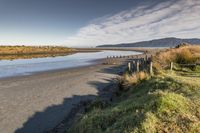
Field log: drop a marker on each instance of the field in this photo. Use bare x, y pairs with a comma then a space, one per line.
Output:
166, 102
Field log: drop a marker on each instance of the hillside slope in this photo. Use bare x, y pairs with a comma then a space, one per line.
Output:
165, 42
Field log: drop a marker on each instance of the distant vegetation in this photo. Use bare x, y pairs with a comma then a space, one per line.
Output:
164, 42
167, 102
15, 52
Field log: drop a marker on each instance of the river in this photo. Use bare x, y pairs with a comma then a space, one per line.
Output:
28, 66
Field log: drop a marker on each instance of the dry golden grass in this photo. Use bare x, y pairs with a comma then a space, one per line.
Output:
182, 55
131, 79
142, 75
135, 77
26, 52
8, 50
128, 80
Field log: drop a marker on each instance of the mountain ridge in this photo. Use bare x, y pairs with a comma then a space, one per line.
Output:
163, 42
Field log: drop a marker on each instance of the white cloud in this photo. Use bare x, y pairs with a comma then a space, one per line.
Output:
177, 18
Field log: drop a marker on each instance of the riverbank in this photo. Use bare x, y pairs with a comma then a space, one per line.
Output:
38, 102
165, 100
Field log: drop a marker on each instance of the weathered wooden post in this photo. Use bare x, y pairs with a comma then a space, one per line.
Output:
151, 57
171, 66
133, 66
129, 67
151, 68
138, 66
146, 62
142, 63
146, 57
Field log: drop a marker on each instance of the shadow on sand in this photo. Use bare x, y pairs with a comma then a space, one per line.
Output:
52, 115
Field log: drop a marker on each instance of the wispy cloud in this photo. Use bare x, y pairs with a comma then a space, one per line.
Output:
177, 18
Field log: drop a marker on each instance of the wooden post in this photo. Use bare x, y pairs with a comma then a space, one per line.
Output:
137, 66
151, 68
146, 61
129, 67
171, 66
133, 66
146, 57
142, 64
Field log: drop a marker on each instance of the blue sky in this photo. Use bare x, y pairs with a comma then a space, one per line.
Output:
86, 23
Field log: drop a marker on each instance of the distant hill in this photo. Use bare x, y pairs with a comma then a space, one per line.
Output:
164, 42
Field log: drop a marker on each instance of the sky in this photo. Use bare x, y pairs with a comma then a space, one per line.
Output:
88, 23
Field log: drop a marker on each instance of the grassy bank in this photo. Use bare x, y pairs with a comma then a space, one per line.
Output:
166, 102
18, 52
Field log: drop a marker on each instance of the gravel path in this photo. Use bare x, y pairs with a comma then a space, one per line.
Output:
37, 103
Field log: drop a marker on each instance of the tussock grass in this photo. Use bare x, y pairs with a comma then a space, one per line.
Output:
165, 103
127, 80
188, 54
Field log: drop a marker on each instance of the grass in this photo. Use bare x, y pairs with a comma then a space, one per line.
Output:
189, 54
21, 52
165, 103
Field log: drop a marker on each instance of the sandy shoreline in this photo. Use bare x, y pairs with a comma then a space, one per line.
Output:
38, 102
94, 63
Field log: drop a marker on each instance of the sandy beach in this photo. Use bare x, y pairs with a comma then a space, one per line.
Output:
38, 102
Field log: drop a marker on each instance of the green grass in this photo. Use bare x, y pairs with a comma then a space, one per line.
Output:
168, 102
164, 103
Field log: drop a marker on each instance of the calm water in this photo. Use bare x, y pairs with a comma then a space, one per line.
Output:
28, 66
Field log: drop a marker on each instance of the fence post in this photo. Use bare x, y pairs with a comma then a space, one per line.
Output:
133, 66
171, 66
142, 63
129, 67
137, 66
151, 68
146, 57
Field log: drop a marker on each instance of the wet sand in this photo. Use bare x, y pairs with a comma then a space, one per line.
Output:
38, 102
